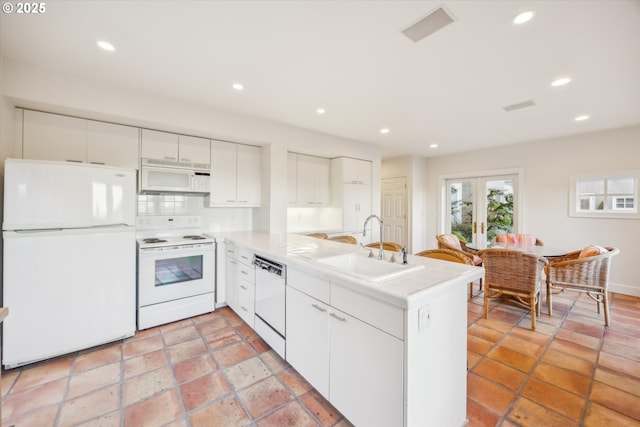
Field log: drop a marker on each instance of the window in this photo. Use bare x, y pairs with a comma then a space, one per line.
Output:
612, 195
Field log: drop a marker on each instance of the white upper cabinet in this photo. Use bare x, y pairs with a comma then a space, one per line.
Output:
235, 175
292, 176
192, 149
54, 137
353, 171
112, 144
313, 181
159, 145
248, 175
171, 147
49, 136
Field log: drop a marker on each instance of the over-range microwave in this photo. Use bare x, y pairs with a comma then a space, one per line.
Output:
174, 179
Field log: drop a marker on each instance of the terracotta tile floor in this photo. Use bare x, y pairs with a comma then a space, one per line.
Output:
213, 370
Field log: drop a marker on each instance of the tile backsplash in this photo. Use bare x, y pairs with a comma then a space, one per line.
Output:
213, 219
167, 204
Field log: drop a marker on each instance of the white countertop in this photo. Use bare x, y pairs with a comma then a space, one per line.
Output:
408, 291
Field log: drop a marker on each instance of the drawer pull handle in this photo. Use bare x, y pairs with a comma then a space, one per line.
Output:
335, 316
244, 309
244, 288
243, 272
233, 262
317, 307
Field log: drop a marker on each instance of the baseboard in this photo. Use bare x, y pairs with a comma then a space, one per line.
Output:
619, 288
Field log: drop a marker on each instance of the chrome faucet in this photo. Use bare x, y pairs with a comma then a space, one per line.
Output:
364, 233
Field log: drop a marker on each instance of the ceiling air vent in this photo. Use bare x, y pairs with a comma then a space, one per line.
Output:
518, 106
428, 25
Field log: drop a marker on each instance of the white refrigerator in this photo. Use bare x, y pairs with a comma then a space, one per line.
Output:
69, 258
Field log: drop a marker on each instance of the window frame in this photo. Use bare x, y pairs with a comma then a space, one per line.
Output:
618, 213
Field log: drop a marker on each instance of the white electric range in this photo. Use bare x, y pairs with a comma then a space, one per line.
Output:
176, 269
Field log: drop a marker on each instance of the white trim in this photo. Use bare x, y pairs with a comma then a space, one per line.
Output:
620, 288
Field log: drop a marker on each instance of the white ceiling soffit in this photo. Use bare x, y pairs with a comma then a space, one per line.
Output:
432, 22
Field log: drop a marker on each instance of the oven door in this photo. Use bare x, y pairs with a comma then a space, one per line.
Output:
167, 274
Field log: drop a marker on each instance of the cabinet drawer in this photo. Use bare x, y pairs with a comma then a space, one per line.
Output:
246, 301
245, 256
383, 316
310, 285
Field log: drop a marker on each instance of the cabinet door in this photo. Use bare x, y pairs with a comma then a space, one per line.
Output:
223, 174
194, 150
313, 181
322, 187
364, 169
366, 375
308, 338
355, 171
159, 145
248, 175
54, 137
231, 283
305, 191
112, 144
356, 206
292, 178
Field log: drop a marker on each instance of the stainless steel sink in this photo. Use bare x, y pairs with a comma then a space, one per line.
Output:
358, 265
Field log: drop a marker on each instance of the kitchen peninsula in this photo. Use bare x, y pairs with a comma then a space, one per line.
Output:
384, 343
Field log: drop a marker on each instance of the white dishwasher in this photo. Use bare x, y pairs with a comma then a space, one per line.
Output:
270, 302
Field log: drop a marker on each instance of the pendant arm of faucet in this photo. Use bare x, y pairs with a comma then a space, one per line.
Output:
364, 233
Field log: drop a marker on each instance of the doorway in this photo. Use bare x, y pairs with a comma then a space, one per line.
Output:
479, 208
394, 210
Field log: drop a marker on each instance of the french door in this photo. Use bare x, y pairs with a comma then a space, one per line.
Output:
479, 208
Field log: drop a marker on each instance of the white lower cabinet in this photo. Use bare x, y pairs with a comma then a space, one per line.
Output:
356, 366
365, 372
240, 283
308, 338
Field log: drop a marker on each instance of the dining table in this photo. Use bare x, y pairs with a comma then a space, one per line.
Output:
543, 251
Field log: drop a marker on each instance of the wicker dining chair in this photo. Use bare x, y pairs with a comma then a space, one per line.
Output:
513, 273
387, 246
586, 270
344, 239
452, 256
452, 243
319, 235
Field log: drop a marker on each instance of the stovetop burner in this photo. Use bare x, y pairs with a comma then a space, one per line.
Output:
154, 240
193, 237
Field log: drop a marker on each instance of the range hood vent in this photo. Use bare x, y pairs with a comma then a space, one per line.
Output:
428, 25
518, 106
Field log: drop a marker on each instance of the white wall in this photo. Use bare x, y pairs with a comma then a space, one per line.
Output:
25, 86
547, 165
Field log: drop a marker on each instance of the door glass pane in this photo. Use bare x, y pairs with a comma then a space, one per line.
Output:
176, 270
461, 212
499, 207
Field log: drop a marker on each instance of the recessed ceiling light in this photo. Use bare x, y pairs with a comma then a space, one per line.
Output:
384, 130
320, 111
523, 17
106, 45
433, 146
561, 81
581, 118
237, 86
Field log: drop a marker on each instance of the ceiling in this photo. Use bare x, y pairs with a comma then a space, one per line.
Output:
352, 59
